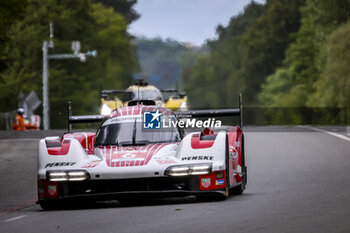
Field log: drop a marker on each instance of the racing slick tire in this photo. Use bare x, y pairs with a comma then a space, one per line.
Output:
52, 205
238, 190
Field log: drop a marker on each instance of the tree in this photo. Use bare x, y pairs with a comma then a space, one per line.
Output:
332, 88
96, 27
10, 11
266, 42
306, 58
161, 60
123, 7
249, 49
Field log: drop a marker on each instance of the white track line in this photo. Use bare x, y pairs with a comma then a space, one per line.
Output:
327, 132
15, 218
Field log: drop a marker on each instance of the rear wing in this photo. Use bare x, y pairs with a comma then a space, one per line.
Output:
112, 91
82, 118
194, 113
169, 90
179, 93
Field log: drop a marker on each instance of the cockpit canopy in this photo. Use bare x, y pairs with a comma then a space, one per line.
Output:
131, 129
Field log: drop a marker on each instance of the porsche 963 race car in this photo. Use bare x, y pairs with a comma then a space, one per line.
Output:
132, 155
170, 98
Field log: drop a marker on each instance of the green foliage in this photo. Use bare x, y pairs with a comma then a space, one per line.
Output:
249, 49
332, 88
267, 40
280, 54
275, 86
10, 11
96, 27
215, 80
123, 7
316, 63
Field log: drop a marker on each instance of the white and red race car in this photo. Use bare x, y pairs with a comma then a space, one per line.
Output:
126, 160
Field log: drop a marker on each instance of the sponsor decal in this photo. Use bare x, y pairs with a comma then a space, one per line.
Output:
51, 189
41, 191
220, 182
220, 175
205, 182
207, 157
61, 164
151, 120
166, 161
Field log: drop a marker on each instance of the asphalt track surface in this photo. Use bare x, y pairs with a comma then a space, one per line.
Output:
297, 182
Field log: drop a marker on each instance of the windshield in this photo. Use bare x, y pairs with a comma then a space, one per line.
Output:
132, 133
146, 94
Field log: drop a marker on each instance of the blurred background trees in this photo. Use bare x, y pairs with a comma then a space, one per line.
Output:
99, 25
163, 61
280, 53
249, 49
312, 73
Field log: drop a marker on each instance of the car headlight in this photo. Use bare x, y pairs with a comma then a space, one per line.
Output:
77, 175
105, 110
184, 170
183, 106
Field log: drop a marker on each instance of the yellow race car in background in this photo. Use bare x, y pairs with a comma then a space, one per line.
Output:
141, 90
177, 102
110, 101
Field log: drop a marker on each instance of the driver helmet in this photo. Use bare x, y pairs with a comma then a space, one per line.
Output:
20, 111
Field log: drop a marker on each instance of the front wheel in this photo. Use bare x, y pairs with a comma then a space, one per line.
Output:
238, 190
51, 205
